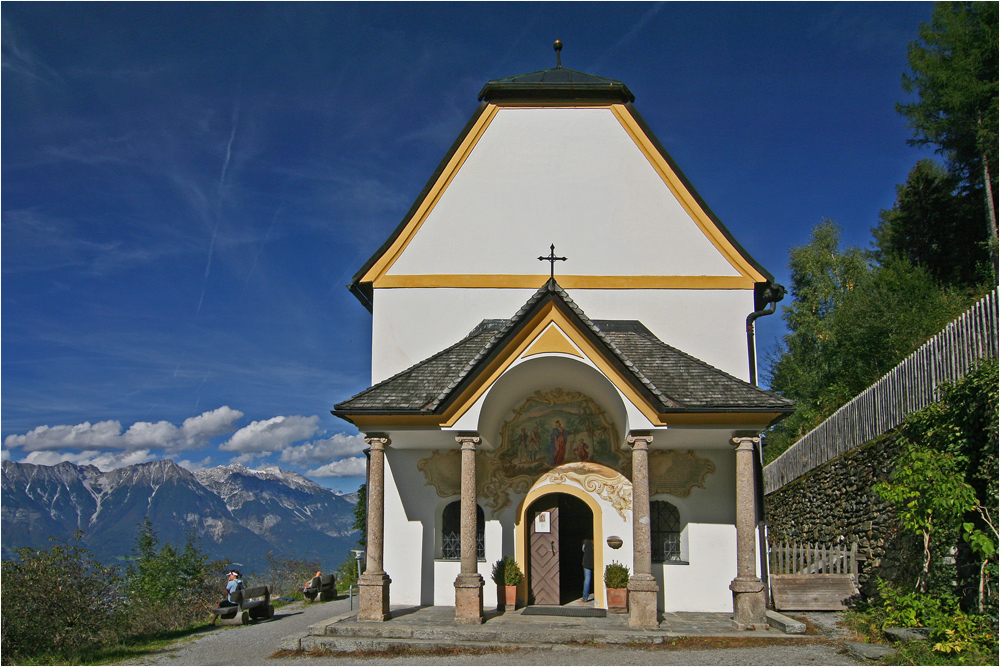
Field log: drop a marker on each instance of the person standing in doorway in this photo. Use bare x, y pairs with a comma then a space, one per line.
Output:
588, 569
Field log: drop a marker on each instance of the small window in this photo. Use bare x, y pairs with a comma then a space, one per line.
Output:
451, 532
665, 522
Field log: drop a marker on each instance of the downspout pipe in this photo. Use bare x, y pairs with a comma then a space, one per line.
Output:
770, 296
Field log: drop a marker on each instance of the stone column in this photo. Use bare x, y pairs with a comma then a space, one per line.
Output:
469, 583
374, 583
749, 604
642, 587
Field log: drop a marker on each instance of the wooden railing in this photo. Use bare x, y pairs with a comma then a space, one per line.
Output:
910, 386
814, 559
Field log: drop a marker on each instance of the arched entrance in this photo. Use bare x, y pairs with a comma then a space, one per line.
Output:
557, 524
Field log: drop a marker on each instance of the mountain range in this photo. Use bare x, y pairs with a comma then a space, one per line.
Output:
238, 514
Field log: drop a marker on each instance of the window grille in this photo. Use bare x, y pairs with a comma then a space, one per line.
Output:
666, 532
451, 532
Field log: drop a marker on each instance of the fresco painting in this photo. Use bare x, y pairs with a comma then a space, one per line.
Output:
555, 427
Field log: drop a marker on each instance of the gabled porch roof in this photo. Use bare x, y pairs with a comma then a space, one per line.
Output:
669, 380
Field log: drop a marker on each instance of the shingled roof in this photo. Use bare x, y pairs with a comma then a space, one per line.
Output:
673, 381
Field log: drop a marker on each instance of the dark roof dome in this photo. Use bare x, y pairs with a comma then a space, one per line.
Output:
557, 82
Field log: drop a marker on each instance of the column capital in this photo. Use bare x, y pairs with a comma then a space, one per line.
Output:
744, 441
467, 440
378, 441
639, 440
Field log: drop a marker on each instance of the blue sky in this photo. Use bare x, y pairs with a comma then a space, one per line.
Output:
188, 188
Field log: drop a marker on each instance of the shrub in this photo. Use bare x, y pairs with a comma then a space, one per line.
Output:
512, 574
616, 575
58, 601
172, 587
285, 576
497, 574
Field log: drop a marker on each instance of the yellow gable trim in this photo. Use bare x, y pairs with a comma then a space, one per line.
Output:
389, 257
748, 274
551, 340
516, 348
690, 204
511, 281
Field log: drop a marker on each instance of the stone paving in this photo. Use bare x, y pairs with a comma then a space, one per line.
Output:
435, 626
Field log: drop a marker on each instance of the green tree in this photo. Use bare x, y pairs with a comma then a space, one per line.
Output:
849, 323
934, 226
954, 75
361, 516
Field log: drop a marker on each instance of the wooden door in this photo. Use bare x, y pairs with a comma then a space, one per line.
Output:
543, 578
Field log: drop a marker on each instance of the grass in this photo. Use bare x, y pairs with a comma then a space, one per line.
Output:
117, 653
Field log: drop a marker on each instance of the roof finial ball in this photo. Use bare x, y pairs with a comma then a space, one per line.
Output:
557, 45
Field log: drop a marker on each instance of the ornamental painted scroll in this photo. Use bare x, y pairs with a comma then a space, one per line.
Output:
549, 429
677, 473
597, 479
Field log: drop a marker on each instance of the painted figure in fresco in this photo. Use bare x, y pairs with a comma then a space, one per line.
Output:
536, 443
581, 450
558, 442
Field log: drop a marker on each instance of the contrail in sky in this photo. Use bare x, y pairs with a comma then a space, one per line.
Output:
218, 203
633, 31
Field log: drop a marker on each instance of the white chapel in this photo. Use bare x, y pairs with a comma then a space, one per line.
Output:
559, 335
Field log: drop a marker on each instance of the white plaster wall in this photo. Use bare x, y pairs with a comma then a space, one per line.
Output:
410, 325
403, 541
703, 584
572, 177
411, 544
708, 520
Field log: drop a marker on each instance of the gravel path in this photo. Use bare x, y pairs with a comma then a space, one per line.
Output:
254, 644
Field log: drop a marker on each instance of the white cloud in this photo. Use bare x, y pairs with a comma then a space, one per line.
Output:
102, 435
271, 435
324, 451
213, 422
195, 465
344, 468
107, 435
5, 455
103, 460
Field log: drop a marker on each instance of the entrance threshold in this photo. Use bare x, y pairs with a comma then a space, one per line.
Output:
575, 610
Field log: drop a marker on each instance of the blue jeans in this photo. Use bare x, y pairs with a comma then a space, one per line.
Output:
588, 578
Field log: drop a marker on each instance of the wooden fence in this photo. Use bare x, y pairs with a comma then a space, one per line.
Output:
788, 558
910, 386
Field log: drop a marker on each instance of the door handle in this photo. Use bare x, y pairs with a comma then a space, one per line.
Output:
553, 543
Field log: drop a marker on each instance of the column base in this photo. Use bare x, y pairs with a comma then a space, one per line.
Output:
374, 597
749, 604
642, 590
469, 599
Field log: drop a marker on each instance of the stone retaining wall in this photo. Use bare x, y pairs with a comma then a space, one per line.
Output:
834, 503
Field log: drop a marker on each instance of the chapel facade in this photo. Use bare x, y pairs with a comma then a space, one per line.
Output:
559, 354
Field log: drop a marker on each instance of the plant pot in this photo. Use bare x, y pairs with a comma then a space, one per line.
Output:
617, 600
501, 597
510, 597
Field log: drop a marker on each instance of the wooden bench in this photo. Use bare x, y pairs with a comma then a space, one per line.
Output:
325, 586
249, 604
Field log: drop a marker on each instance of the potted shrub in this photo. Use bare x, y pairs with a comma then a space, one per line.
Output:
616, 584
512, 576
498, 578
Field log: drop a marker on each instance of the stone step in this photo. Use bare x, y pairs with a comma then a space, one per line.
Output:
350, 644
513, 634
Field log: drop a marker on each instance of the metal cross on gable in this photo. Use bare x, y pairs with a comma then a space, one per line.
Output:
552, 259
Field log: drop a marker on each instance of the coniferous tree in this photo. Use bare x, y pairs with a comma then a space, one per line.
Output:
954, 74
